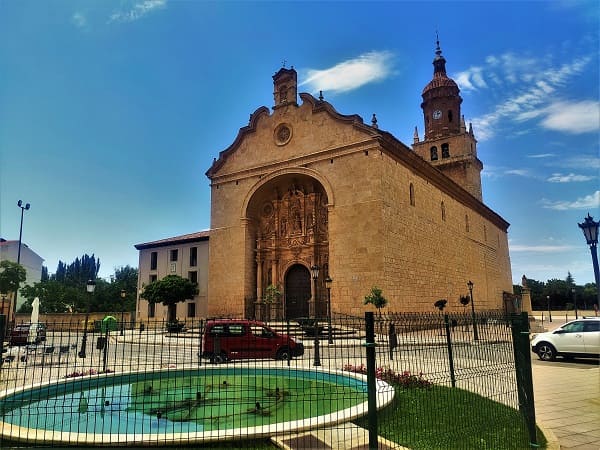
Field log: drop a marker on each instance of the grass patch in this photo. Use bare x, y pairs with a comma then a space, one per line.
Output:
445, 418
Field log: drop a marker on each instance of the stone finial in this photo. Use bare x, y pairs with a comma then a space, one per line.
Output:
374, 121
524, 281
470, 128
321, 96
463, 127
416, 136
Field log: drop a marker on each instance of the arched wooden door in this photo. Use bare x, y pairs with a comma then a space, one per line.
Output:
297, 292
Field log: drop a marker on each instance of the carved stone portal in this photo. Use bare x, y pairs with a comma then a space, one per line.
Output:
291, 229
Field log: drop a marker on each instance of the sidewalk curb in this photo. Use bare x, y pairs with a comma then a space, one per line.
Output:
552, 442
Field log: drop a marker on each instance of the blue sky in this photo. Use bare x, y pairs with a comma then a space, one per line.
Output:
112, 111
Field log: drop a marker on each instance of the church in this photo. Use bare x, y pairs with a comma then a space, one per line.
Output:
324, 207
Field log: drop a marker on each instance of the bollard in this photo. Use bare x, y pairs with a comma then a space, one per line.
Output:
450, 355
392, 340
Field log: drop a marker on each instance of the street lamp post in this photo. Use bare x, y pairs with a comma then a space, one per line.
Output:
315, 276
90, 286
549, 310
123, 295
328, 282
590, 232
23, 209
575, 302
475, 334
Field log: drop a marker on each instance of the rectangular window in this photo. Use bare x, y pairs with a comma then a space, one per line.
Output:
174, 255
152, 278
151, 309
193, 256
193, 276
153, 260
191, 312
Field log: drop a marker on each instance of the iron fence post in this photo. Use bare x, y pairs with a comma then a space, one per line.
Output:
371, 380
201, 337
317, 360
287, 330
450, 354
522, 352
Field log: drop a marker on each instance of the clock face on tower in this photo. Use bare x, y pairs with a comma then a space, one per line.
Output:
437, 114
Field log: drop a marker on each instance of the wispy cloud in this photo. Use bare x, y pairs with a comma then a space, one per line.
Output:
589, 201
568, 178
540, 248
531, 83
541, 155
574, 118
579, 162
495, 172
519, 172
351, 74
136, 10
79, 20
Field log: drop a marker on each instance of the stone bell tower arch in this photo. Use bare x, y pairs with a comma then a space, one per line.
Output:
287, 219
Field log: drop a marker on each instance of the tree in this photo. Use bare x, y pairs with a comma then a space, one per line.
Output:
79, 271
11, 276
376, 298
271, 297
169, 291
54, 297
272, 294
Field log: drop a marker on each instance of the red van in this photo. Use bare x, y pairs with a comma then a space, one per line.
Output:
226, 339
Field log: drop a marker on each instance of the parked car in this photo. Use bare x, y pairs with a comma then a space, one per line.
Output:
226, 339
19, 335
578, 338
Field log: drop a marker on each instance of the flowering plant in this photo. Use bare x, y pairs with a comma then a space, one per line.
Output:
404, 379
86, 372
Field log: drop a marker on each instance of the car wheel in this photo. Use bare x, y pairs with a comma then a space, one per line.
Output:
546, 352
283, 354
219, 359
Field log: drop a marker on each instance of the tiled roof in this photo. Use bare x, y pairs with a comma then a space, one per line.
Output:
185, 238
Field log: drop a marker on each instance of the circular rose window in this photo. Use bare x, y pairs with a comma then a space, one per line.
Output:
283, 134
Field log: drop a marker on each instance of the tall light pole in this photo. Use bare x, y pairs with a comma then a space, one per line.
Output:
590, 232
549, 310
328, 282
23, 209
475, 334
123, 295
575, 302
315, 276
90, 286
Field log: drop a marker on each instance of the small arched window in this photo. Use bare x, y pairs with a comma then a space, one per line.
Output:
411, 193
449, 115
434, 153
443, 208
445, 150
283, 91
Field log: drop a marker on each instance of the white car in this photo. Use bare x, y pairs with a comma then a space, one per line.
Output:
578, 338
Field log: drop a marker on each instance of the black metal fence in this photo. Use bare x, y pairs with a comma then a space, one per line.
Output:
312, 383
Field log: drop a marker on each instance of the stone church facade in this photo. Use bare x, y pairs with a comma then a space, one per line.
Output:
303, 185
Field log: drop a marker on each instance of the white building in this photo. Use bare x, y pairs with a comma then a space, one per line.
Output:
30, 260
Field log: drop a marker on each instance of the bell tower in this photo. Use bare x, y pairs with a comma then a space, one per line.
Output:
447, 143
285, 88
